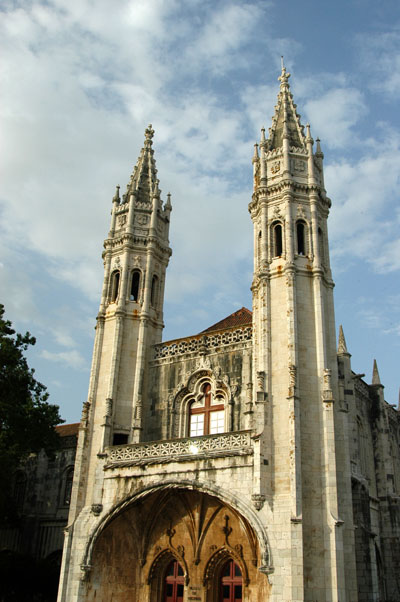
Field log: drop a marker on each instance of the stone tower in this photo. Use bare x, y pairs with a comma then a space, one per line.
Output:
129, 322
219, 467
306, 476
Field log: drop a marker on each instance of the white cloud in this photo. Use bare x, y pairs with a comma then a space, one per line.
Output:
380, 58
72, 359
334, 114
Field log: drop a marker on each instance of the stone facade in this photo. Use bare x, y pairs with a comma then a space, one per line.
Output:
247, 462
42, 494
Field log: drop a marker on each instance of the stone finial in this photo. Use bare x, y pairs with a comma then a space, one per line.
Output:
308, 130
262, 135
376, 380
283, 78
168, 203
318, 152
149, 133
342, 347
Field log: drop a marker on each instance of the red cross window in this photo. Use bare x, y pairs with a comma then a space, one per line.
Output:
174, 583
231, 583
207, 415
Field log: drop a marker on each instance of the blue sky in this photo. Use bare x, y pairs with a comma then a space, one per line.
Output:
80, 82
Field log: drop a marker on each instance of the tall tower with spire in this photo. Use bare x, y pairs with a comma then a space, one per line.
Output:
294, 359
129, 322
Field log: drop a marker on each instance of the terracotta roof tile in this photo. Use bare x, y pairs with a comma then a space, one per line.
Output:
67, 430
241, 317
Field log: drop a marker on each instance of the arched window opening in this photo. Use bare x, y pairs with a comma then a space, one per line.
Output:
154, 290
231, 585
115, 277
135, 286
69, 477
278, 247
207, 414
174, 583
301, 238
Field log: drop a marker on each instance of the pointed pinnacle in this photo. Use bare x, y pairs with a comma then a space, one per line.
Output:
318, 151
255, 156
342, 347
168, 203
116, 198
262, 135
375, 375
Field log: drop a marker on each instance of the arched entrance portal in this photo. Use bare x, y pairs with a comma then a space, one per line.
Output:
174, 544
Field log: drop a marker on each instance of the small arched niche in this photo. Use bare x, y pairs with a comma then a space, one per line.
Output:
135, 286
114, 285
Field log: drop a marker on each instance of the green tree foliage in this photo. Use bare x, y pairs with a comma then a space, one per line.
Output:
27, 420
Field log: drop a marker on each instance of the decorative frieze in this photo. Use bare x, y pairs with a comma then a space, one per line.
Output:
226, 444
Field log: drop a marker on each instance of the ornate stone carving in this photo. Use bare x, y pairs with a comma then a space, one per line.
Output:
300, 212
275, 167
97, 509
292, 380
260, 380
299, 165
141, 219
85, 413
137, 261
193, 345
327, 394
109, 406
258, 500
167, 451
122, 220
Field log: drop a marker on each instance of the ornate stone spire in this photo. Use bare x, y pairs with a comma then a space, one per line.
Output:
285, 121
144, 183
375, 375
342, 347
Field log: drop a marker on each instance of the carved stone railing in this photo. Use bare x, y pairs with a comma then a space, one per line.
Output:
205, 341
181, 450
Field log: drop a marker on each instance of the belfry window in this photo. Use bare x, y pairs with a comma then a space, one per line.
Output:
154, 290
115, 277
207, 414
135, 286
174, 583
301, 238
277, 239
231, 585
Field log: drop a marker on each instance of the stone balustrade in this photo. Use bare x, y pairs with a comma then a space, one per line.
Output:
180, 450
209, 342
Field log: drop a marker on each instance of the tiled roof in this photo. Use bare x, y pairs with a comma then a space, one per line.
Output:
241, 317
67, 430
